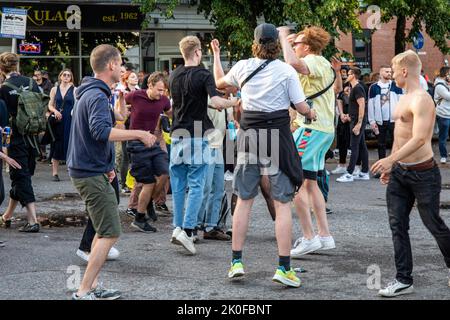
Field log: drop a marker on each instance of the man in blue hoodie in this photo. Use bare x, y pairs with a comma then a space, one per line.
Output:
91, 162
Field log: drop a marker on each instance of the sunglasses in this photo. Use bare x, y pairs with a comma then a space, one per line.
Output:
66, 75
297, 43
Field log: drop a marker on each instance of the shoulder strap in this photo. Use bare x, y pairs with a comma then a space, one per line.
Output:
318, 94
30, 87
6, 83
262, 66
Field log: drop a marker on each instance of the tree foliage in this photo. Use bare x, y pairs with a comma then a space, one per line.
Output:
235, 20
433, 16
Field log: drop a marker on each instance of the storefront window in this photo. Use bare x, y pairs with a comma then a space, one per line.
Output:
51, 43
53, 66
126, 42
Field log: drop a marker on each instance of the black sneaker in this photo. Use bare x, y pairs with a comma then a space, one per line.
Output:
328, 211
5, 223
143, 226
2, 244
131, 212
30, 228
163, 208
56, 178
151, 212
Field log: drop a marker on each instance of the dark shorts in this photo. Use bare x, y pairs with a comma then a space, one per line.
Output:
147, 165
101, 204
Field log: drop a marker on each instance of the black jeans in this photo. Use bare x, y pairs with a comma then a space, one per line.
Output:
386, 130
359, 149
343, 140
89, 231
403, 189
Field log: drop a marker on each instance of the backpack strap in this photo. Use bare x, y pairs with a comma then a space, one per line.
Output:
8, 84
30, 86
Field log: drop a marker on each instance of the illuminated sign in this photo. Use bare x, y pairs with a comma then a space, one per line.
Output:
30, 48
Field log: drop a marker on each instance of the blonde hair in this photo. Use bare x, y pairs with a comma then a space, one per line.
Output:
8, 62
316, 38
66, 70
188, 45
410, 60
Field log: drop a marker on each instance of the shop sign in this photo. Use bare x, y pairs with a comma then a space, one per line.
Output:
82, 16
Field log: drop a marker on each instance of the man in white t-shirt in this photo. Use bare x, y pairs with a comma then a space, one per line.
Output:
266, 98
383, 98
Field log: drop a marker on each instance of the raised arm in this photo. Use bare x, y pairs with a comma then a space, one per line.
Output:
219, 75
288, 53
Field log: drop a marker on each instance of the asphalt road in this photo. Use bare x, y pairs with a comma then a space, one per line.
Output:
44, 265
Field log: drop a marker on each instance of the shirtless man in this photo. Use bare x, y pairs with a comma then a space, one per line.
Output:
411, 172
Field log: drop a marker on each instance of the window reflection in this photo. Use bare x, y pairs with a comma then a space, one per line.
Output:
53, 43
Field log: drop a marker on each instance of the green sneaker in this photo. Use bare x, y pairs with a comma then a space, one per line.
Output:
288, 278
236, 270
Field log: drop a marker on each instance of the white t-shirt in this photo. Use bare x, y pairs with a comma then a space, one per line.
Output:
385, 100
271, 89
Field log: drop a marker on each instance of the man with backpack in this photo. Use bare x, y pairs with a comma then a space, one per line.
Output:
26, 110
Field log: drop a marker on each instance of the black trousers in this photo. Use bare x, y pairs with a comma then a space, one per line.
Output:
343, 140
404, 188
386, 130
24, 154
89, 231
359, 149
2, 187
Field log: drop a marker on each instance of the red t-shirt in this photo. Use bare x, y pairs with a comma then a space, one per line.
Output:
145, 111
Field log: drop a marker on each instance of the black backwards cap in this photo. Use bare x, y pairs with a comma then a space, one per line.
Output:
265, 33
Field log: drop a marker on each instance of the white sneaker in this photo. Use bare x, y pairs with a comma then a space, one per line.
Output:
396, 288
186, 241
443, 160
175, 234
345, 178
113, 254
339, 170
305, 246
83, 255
327, 243
228, 176
357, 170
362, 176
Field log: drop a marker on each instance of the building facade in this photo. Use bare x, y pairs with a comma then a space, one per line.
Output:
61, 34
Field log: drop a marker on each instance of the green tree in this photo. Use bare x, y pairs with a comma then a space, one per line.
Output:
235, 20
434, 16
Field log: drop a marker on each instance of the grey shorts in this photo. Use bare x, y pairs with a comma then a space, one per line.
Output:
247, 178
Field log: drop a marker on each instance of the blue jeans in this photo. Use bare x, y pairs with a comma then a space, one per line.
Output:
188, 167
213, 192
444, 125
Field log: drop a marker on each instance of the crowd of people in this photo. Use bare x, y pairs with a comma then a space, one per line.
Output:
151, 135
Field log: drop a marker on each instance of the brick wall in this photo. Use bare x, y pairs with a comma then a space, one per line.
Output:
383, 47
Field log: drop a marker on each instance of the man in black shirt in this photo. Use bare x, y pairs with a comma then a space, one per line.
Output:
190, 86
43, 83
357, 112
19, 149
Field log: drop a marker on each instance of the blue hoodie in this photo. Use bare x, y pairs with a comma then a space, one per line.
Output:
90, 152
